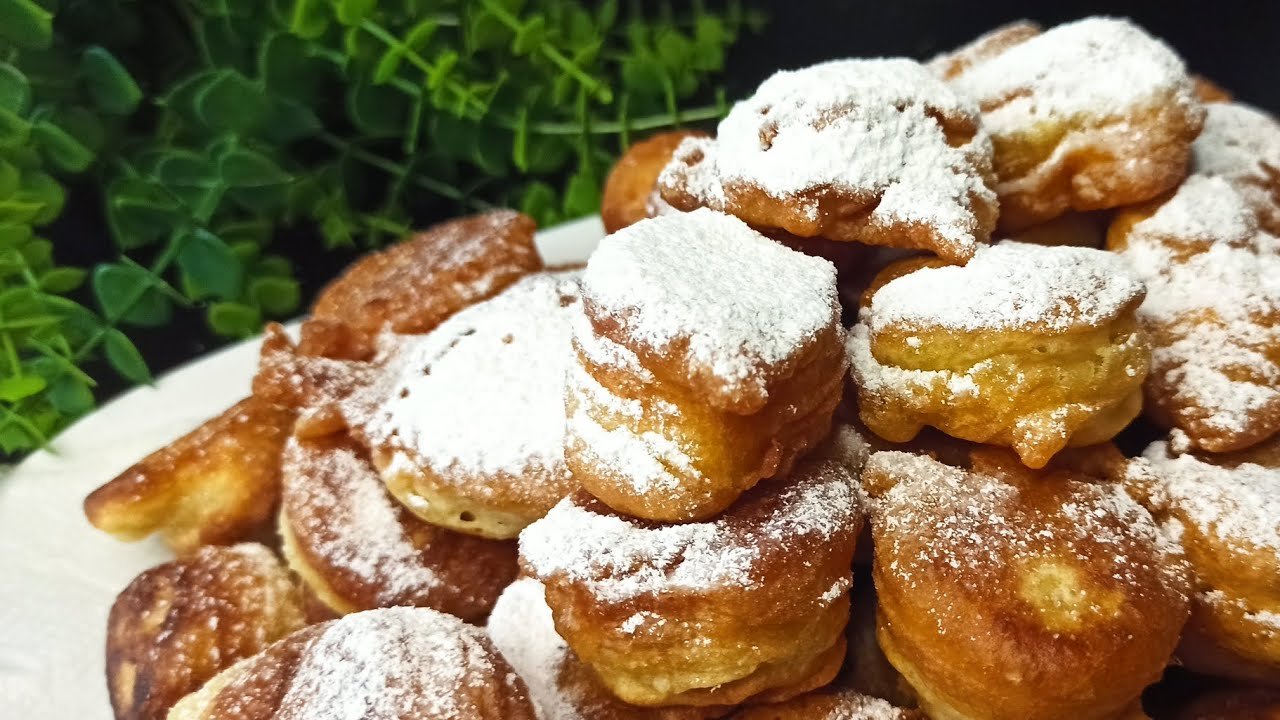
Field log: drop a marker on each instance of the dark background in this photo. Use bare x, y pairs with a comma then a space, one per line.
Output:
1236, 44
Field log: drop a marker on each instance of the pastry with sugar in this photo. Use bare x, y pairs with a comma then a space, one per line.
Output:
1227, 512
875, 151
1007, 593
708, 358
630, 192
1241, 144
829, 704
388, 664
1088, 115
750, 605
1212, 311
356, 548
179, 624
1031, 347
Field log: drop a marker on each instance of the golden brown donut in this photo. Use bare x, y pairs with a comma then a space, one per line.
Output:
1208, 91
1228, 517
1241, 144
1234, 704
1088, 115
358, 549
466, 424
1007, 593
630, 190
216, 485
752, 604
560, 685
180, 623
1212, 311
1030, 347
829, 704
412, 286
387, 664
708, 358
878, 151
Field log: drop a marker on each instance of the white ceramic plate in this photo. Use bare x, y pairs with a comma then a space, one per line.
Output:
59, 576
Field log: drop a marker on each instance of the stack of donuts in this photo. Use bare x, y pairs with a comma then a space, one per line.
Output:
917, 390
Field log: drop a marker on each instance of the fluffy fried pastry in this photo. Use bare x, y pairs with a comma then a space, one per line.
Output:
1088, 115
466, 423
829, 704
1208, 91
708, 358
1030, 347
1212, 312
180, 623
357, 549
1228, 515
216, 485
630, 191
1007, 593
412, 286
560, 685
1241, 144
752, 604
878, 151
387, 664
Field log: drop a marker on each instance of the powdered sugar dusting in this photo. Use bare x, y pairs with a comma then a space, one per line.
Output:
706, 286
867, 128
1096, 68
620, 558
522, 630
1238, 143
1010, 285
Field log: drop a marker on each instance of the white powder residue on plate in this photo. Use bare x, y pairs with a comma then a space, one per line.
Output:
1239, 505
706, 286
483, 393
523, 631
868, 128
1010, 286
392, 664
1096, 68
620, 559
343, 509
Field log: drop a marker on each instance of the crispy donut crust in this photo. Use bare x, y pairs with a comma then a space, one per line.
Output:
180, 623
630, 187
756, 608
216, 485
1015, 594
412, 286
358, 550
397, 663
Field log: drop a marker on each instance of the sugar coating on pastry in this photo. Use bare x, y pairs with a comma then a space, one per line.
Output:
619, 558
523, 631
703, 286
1011, 286
829, 704
1241, 144
882, 131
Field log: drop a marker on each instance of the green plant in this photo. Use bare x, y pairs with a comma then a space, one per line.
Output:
205, 127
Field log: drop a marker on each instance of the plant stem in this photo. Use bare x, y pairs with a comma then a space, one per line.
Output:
397, 170
602, 92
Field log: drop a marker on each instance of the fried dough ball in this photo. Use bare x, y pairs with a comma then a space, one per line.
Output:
708, 358
412, 286
1208, 91
878, 151
1234, 704
1212, 312
216, 485
1241, 144
752, 604
829, 704
357, 549
1030, 347
1228, 516
466, 424
560, 685
1089, 115
180, 623
630, 190
387, 664
1010, 593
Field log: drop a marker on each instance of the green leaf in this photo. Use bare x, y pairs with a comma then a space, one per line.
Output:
530, 36
10, 178
244, 167
210, 265
62, 280
14, 131
46, 192
310, 18
273, 266
276, 296
63, 150
140, 211
582, 195
18, 387
12, 236
15, 90
69, 395
26, 24
378, 111
116, 286
539, 202
124, 357
288, 120
414, 41
109, 83
234, 319
231, 102
38, 254
353, 12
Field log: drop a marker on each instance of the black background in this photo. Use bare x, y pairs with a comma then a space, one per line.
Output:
1237, 44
